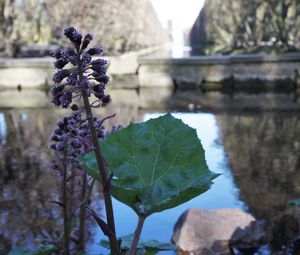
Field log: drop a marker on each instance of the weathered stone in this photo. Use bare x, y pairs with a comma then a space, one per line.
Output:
29, 98
249, 239
208, 232
155, 76
129, 81
123, 65
195, 72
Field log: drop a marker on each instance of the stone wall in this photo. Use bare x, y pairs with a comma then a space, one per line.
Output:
205, 72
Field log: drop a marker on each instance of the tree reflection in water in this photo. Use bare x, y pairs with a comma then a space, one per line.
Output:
264, 154
27, 184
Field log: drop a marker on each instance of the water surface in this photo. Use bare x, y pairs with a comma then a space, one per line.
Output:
257, 155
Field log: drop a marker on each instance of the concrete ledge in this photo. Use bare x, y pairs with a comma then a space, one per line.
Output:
222, 59
37, 72
216, 69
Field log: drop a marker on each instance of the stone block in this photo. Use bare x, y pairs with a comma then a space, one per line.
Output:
209, 232
155, 76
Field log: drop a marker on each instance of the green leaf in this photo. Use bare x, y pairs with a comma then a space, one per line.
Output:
144, 247
156, 245
294, 202
21, 252
43, 250
157, 164
47, 250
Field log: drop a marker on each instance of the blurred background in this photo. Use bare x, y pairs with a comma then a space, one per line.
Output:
229, 68
209, 27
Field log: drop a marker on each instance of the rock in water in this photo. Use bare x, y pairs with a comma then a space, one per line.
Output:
208, 232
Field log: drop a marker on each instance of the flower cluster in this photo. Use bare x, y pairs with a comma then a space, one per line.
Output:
72, 135
77, 72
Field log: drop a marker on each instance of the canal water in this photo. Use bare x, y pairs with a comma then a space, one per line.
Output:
256, 153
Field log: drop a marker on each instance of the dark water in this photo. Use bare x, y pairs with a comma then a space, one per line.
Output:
258, 155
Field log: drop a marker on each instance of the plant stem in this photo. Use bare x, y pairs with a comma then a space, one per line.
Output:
82, 213
90, 189
137, 234
65, 203
114, 246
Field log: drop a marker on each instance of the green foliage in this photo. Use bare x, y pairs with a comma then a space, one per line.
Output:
157, 164
21, 252
43, 250
294, 202
149, 247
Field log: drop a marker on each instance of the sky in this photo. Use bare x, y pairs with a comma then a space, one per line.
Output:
183, 13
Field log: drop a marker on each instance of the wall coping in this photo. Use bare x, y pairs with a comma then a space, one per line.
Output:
224, 59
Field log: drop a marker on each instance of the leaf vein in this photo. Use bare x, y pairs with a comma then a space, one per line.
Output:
159, 148
133, 158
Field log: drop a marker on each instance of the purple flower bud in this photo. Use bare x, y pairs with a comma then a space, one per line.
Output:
66, 121
57, 89
95, 50
60, 124
74, 36
86, 58
52, 146
105, 99
69, 32
66, 99
76, 143
85, 82
73, 60
57, 131
60, 63
97, 88
71, 51
74, 132
56, 100
86, 41
100, 61
60, 75
77, 37
83, 133
64, 137
99, 69
72, 79
55, 138
56, 54
59, 146
69, 128
101, 78
74, 107
99, 94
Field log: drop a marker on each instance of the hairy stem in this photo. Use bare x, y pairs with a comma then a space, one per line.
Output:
137, 234
65, 203
114, 246
82, 213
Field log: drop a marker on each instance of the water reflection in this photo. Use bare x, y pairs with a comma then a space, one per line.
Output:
264, 156
257, 154
26, 183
